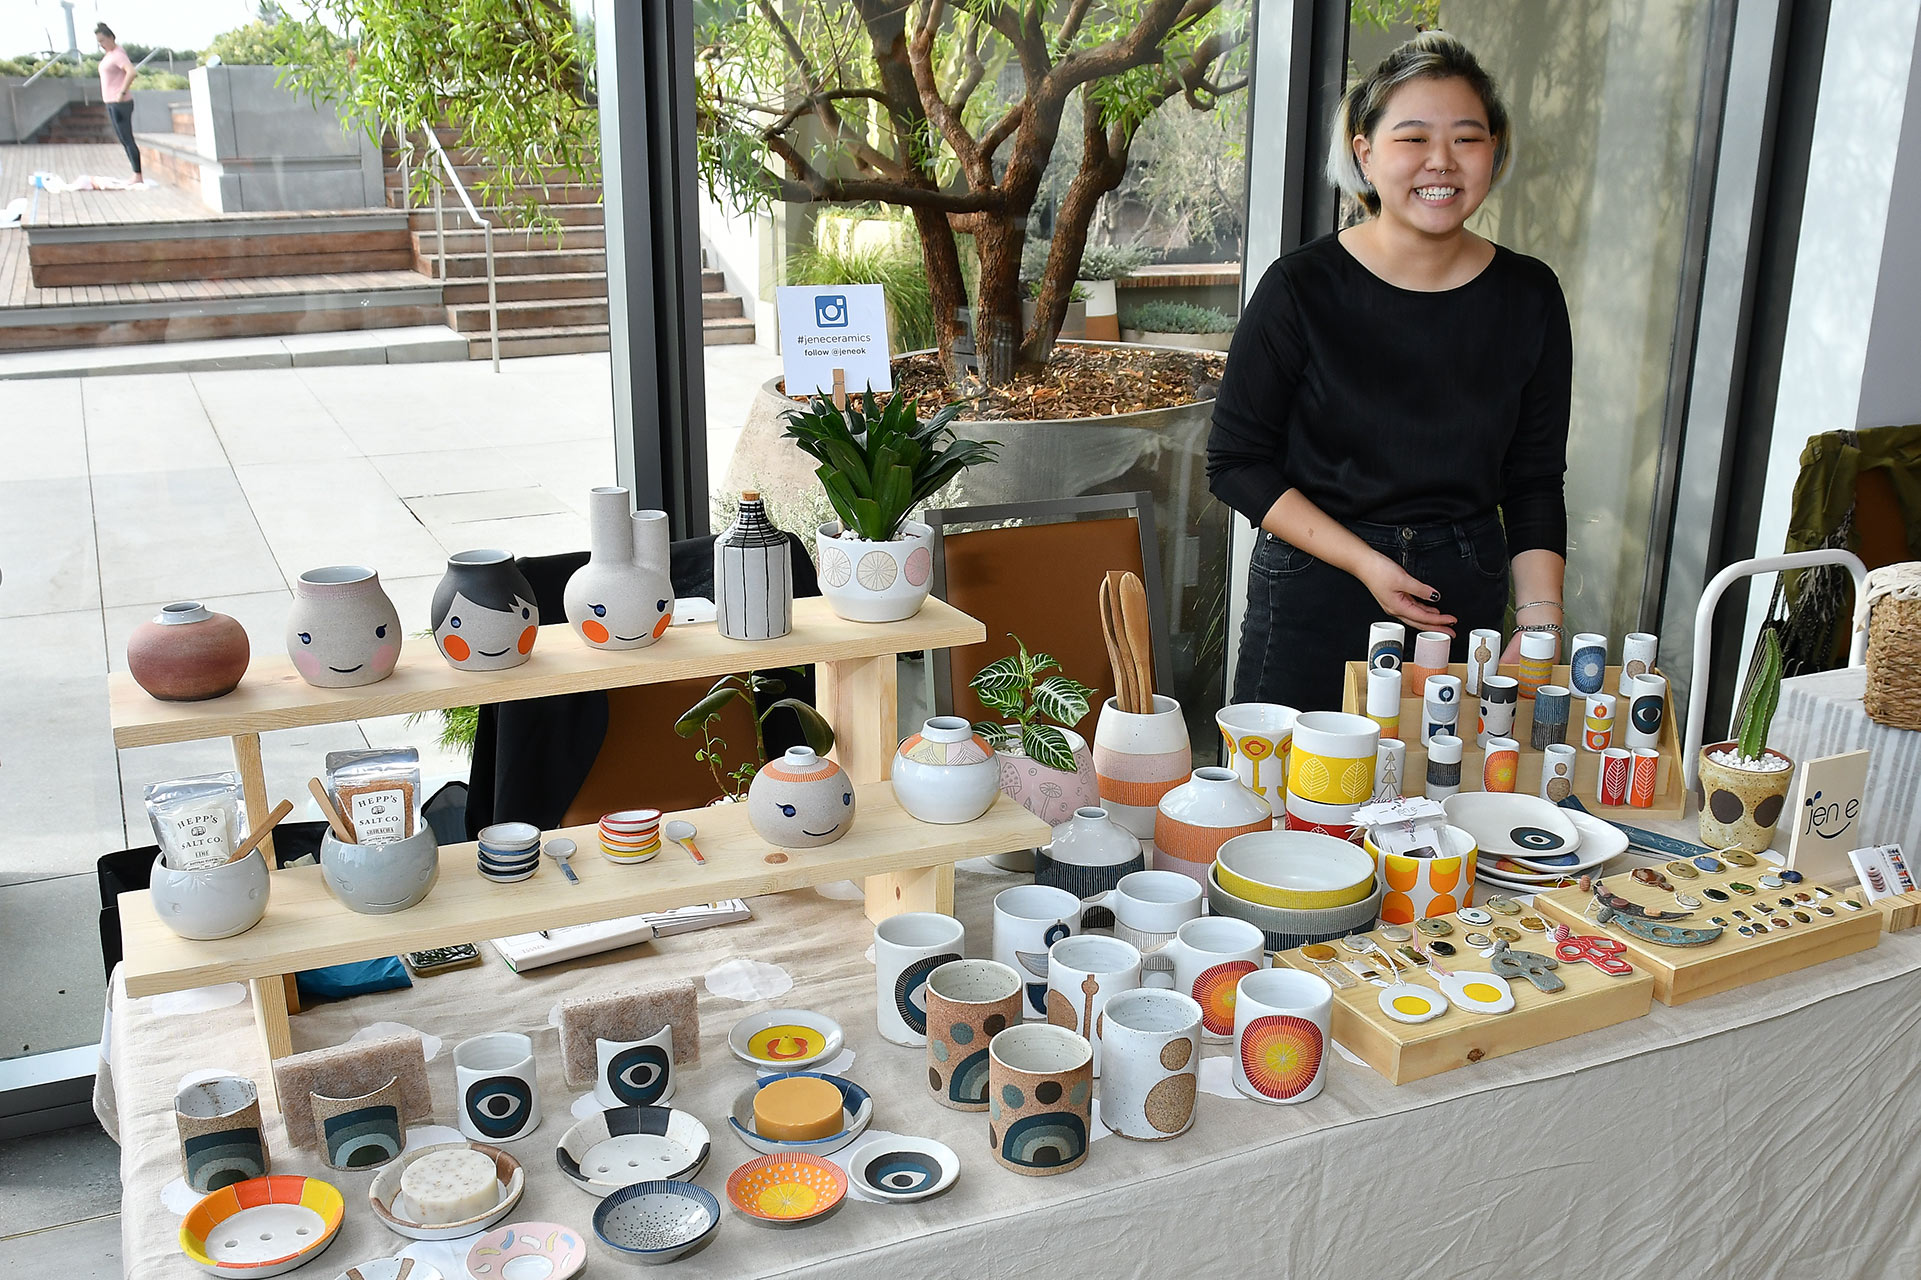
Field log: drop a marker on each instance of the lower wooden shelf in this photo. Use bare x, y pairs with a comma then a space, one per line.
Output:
1682, 974
909, 863
1403, 1051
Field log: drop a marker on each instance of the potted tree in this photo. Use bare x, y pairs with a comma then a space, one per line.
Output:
1045, 765
1178, 324
1744, 783
877, 464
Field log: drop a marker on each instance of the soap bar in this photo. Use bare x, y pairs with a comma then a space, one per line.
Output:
798, 1109
448, 1186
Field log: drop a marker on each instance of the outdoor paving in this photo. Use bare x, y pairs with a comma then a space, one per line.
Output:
121, 493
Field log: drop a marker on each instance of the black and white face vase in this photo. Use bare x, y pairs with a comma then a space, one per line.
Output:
484, 615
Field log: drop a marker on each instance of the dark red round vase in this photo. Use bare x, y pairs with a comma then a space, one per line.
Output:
188, 653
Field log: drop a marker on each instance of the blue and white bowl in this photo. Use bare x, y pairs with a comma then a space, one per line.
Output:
655, 1222
857, 1109
508, 837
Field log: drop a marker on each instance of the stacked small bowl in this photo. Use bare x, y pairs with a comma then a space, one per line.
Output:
632, 835
509, 851
1296, 887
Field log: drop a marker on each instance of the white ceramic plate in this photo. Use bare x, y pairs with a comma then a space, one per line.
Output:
903, 1169
386, 1186
820, 1039
857, 1109
1511, 825
624, 1145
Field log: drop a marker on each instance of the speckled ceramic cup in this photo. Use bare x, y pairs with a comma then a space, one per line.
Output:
969, 1002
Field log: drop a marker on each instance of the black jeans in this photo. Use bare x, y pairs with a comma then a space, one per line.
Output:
1306, 620
121, 114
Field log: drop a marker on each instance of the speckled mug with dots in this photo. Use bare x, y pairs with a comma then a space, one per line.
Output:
969, 1002
1040, 1099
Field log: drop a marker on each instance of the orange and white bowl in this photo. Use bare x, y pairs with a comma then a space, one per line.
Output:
262, 1226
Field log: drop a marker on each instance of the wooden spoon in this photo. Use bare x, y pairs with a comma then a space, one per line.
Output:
259, 833
1110, 632
1140, 639
327, 811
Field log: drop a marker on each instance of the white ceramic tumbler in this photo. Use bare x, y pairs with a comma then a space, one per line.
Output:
907, 948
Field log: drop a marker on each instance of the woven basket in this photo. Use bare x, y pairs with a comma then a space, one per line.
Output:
1893, 694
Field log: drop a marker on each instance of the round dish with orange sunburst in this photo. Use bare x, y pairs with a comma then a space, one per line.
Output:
786, 1190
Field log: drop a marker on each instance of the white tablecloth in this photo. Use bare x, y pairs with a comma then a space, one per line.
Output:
1821, 715
1761, 1132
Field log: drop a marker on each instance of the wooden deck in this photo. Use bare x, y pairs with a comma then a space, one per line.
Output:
150, 205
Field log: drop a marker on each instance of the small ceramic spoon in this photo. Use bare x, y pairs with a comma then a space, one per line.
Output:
682, 834
560, 851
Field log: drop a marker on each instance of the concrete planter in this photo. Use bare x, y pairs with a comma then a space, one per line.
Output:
1186, 341
1161, 451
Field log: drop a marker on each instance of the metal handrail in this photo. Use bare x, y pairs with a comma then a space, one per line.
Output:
440, 232
49, 64
171, 55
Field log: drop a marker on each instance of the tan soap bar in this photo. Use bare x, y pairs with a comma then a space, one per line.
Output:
449, 1186
797, 1110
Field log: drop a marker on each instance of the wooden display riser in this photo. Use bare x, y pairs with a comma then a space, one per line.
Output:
1402, 1051
1670, 796
306, 928
1899, 912
1682, 974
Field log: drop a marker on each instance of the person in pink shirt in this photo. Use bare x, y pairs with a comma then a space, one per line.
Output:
116, 86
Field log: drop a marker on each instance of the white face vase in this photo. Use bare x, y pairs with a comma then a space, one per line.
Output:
621, 622
801, 801
476, 638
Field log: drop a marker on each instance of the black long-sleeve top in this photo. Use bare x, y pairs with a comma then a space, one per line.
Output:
1397, 406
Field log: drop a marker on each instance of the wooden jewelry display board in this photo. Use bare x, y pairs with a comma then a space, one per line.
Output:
1682, 974
1403, 1051
1670, 795
907, 865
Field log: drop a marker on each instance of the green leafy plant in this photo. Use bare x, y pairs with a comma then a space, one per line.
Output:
1032, 292
1176, 317
1098, 261
703, 718
898, 272
1020, 688
878, 464
1764, 699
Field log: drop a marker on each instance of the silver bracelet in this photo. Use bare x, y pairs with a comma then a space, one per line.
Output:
1532, 603
1554, 627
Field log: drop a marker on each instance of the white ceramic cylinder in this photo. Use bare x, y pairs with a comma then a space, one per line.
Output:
1384, 699
1390, 768
1386, 644
1557, 773
1201, 815
1500, 696
635, 1073
1210, 956
1083, 973
1647, 707
1028, 919
1538, 651
1597, 724
1257, 737
1587, 661
1431, 650
496, 1092
946, 773
1483, 657
1138, 759
222, 1140
1441, 707
1611, 788
1151, 1046
1637, 658
907, 948
1280, 1035
1501, 765
1443, 767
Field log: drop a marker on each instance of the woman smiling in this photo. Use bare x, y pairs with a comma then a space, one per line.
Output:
1394, 413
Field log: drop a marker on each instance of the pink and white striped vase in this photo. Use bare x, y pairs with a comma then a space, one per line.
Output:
1137, 760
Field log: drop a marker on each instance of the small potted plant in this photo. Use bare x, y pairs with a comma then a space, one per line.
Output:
1744, 783
1178, 324
1045, 766
877, 464
703, 718
1101, 265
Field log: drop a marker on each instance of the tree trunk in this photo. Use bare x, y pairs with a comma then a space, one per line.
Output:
1102, 166
946, 288
997, 307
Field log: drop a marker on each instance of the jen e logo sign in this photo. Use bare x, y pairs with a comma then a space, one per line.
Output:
1829, 814
841, 326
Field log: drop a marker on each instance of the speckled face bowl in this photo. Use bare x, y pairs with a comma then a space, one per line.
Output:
800, 801
379, 879
625, 1145
659, 1221
217, 902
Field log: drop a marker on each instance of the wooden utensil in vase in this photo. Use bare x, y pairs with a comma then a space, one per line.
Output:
1140, 640
1111, 632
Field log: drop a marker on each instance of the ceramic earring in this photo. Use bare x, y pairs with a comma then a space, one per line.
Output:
635, 1073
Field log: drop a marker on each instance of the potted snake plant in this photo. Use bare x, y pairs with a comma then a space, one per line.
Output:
877, 464
1744, 782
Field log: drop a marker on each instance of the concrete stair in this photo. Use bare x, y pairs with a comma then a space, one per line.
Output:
76, 122
550, 285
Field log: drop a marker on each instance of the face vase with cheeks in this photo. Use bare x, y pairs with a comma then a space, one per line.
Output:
801, 801
476, 638
617, 624
341, 657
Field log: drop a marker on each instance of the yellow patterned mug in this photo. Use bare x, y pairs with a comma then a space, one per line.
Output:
1332, 759
1257, 736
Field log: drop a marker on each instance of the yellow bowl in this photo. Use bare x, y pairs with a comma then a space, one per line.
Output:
1297, 870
